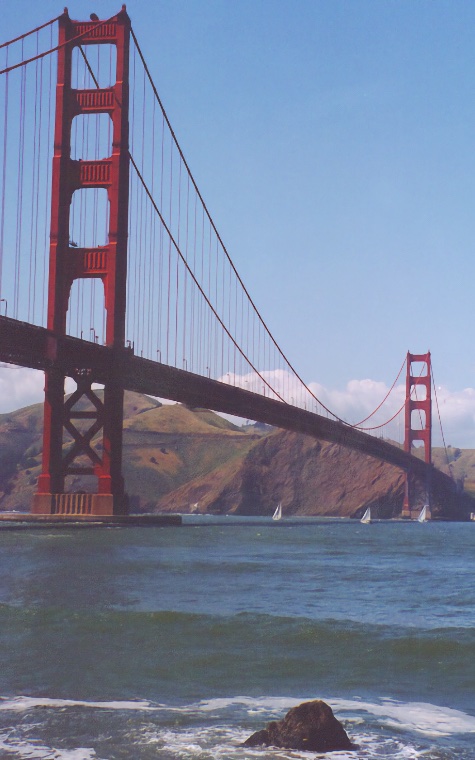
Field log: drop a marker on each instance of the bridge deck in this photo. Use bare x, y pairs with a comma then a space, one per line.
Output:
35, 347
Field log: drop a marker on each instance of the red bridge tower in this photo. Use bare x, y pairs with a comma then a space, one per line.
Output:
424, 408
107, 263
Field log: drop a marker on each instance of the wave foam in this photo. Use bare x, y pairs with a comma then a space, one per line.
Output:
421, 717
21, 704
31, 751
217, 727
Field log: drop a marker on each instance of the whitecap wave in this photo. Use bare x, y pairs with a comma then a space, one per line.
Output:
21, 704
421, 717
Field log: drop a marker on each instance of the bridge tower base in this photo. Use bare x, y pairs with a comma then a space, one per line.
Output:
71, 448
79, 504
424, 432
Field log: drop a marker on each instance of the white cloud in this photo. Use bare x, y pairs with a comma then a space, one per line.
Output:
360, 397
457, 412
20, 387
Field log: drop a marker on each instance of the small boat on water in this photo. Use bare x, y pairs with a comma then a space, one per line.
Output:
278, 512
423, 515
366, 519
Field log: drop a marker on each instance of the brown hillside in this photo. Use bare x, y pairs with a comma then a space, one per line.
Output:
309, 477
313, 477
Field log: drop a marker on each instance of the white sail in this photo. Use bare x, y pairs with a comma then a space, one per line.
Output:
278, 512
423, 516
366, 519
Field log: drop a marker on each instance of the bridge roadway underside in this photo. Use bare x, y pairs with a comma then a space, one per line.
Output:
31, 346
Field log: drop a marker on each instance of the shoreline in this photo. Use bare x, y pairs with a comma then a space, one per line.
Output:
24, 520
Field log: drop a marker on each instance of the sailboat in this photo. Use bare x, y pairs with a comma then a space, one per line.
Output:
366, 519
423, 516
278, 512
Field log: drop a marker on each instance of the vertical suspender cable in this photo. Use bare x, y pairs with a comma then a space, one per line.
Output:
177, 276
19, 224
169, 253
32, 202
185, 279
4, 175
192, 325
37, 190
161, 257
153, 218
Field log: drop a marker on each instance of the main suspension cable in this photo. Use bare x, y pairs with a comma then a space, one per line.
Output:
32, 31
413, 392
218, 237
291, 367
57, 47
357, 424
182, 257
440, 422
178, 250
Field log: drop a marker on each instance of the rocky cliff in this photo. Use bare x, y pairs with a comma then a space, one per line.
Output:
309, 477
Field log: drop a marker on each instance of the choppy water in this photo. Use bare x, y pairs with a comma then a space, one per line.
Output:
180, 642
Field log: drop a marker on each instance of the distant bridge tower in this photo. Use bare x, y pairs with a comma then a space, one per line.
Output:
421, 408
107, 263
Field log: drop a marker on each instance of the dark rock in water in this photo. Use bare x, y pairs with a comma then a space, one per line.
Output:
311, 726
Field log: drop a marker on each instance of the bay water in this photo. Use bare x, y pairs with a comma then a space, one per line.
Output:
179, 642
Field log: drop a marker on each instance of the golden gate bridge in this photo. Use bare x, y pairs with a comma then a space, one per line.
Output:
113, 272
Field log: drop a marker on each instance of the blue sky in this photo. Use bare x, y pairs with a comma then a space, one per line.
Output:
334, 143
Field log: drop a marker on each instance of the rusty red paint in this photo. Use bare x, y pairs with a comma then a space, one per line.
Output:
424, 380
109, 264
